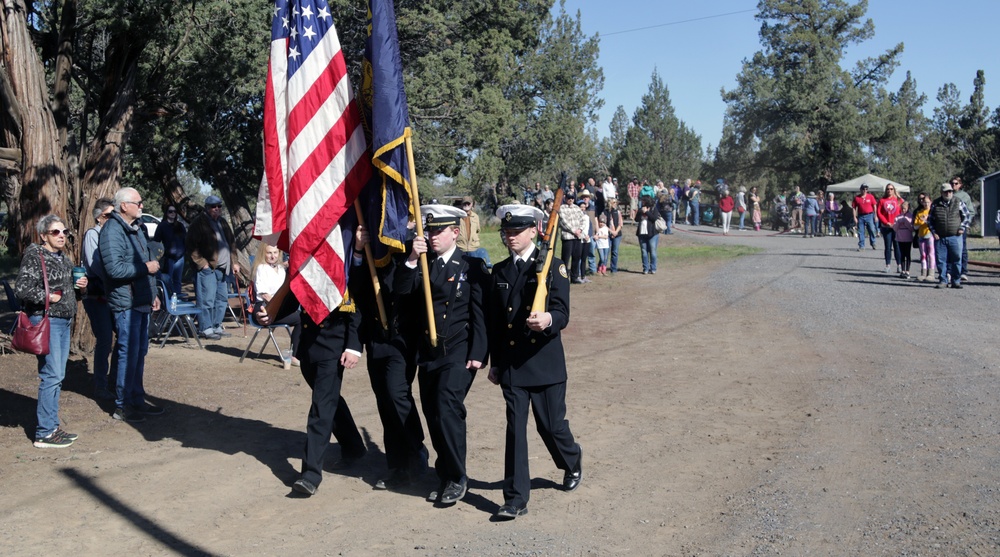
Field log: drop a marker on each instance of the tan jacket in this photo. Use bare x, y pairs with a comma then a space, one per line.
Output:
468, 233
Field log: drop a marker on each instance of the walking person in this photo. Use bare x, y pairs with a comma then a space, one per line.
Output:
831, 211
887, 210
903, 231
528, 360
45, 287
949, 219
925, 240
458, 286
391, 350
863, 211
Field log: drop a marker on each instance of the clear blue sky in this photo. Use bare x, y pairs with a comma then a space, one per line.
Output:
697, 54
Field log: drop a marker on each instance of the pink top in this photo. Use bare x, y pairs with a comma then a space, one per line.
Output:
903, 225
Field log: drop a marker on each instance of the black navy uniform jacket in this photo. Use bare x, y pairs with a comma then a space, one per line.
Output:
399, 310
525, 358
458, 292
328, 339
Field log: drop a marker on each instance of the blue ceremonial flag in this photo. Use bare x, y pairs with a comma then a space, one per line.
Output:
386, 201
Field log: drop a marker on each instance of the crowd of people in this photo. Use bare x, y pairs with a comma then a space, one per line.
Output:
476, 324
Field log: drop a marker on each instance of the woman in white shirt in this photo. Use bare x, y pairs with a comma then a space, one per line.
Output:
268, 275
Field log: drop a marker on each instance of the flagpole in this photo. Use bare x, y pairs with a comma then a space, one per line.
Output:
371, 268
415, 200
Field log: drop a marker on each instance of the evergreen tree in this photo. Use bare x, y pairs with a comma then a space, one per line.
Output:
810, 116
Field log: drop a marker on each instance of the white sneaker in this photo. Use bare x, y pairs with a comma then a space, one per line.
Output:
886, 269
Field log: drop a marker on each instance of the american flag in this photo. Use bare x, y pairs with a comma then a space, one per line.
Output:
315, 156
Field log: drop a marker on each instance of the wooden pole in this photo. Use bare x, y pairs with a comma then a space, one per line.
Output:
415, 200
371, 268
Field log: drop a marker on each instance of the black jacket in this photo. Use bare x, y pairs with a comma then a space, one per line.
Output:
525, 358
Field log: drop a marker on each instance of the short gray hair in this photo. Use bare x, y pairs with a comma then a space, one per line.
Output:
123, 195
45, 222
101, 206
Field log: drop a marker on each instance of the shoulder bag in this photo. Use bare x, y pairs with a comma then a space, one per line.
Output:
33, 339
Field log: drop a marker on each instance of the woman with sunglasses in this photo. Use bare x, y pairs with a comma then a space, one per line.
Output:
172, 234
887, 210
31, 291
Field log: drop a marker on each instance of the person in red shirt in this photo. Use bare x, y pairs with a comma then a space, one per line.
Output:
889, 207
864, 206
726, 205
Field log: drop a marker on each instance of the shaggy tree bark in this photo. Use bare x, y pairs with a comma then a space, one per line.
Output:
42, 188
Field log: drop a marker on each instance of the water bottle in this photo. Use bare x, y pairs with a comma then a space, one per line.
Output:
173, 302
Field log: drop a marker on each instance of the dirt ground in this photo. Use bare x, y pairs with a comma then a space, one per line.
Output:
713, 423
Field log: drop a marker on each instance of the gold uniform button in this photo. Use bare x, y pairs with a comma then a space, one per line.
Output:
444, 316
527, 308
510, 310
510, 325
532, 341
512, 343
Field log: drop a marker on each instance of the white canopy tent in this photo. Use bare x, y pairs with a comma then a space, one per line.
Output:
875, 185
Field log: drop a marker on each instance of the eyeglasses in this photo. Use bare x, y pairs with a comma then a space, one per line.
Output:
57, 232
171, 212
213, 206
955, 183
136, 203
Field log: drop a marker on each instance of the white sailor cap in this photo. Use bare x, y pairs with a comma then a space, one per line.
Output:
441, 216
519, 216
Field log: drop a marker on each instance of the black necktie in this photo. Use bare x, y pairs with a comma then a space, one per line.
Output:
519, 264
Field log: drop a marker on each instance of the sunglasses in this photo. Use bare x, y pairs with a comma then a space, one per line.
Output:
213, 206
171, 212
57, 232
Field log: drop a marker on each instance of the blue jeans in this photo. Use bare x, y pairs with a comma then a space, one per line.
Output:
812, 225
615, 243
891, 247
949, 258
669, 218
591, 249
51, 372
133, 342
172, 271
743, 217
831, 223
965, 252
101, 322
696, 208
603, 252
213, 297
647, 247
866, 222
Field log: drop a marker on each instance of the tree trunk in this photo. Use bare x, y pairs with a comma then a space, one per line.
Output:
42, 188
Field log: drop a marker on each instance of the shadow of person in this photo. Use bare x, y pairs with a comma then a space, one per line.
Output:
17, 410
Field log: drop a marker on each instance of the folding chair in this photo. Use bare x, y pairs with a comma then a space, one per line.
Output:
248, 311
12, 302
233, 291
177, 318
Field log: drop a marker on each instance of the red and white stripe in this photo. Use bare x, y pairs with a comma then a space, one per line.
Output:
316, 163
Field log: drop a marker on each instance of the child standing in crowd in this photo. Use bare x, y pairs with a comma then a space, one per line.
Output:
756, 216
903, 228
925, 238
603, 239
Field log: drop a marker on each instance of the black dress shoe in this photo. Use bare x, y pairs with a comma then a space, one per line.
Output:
510, 511
572, 479
304, 487
397, 479
453, 492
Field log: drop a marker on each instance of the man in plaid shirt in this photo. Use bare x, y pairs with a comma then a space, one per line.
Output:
633, 196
